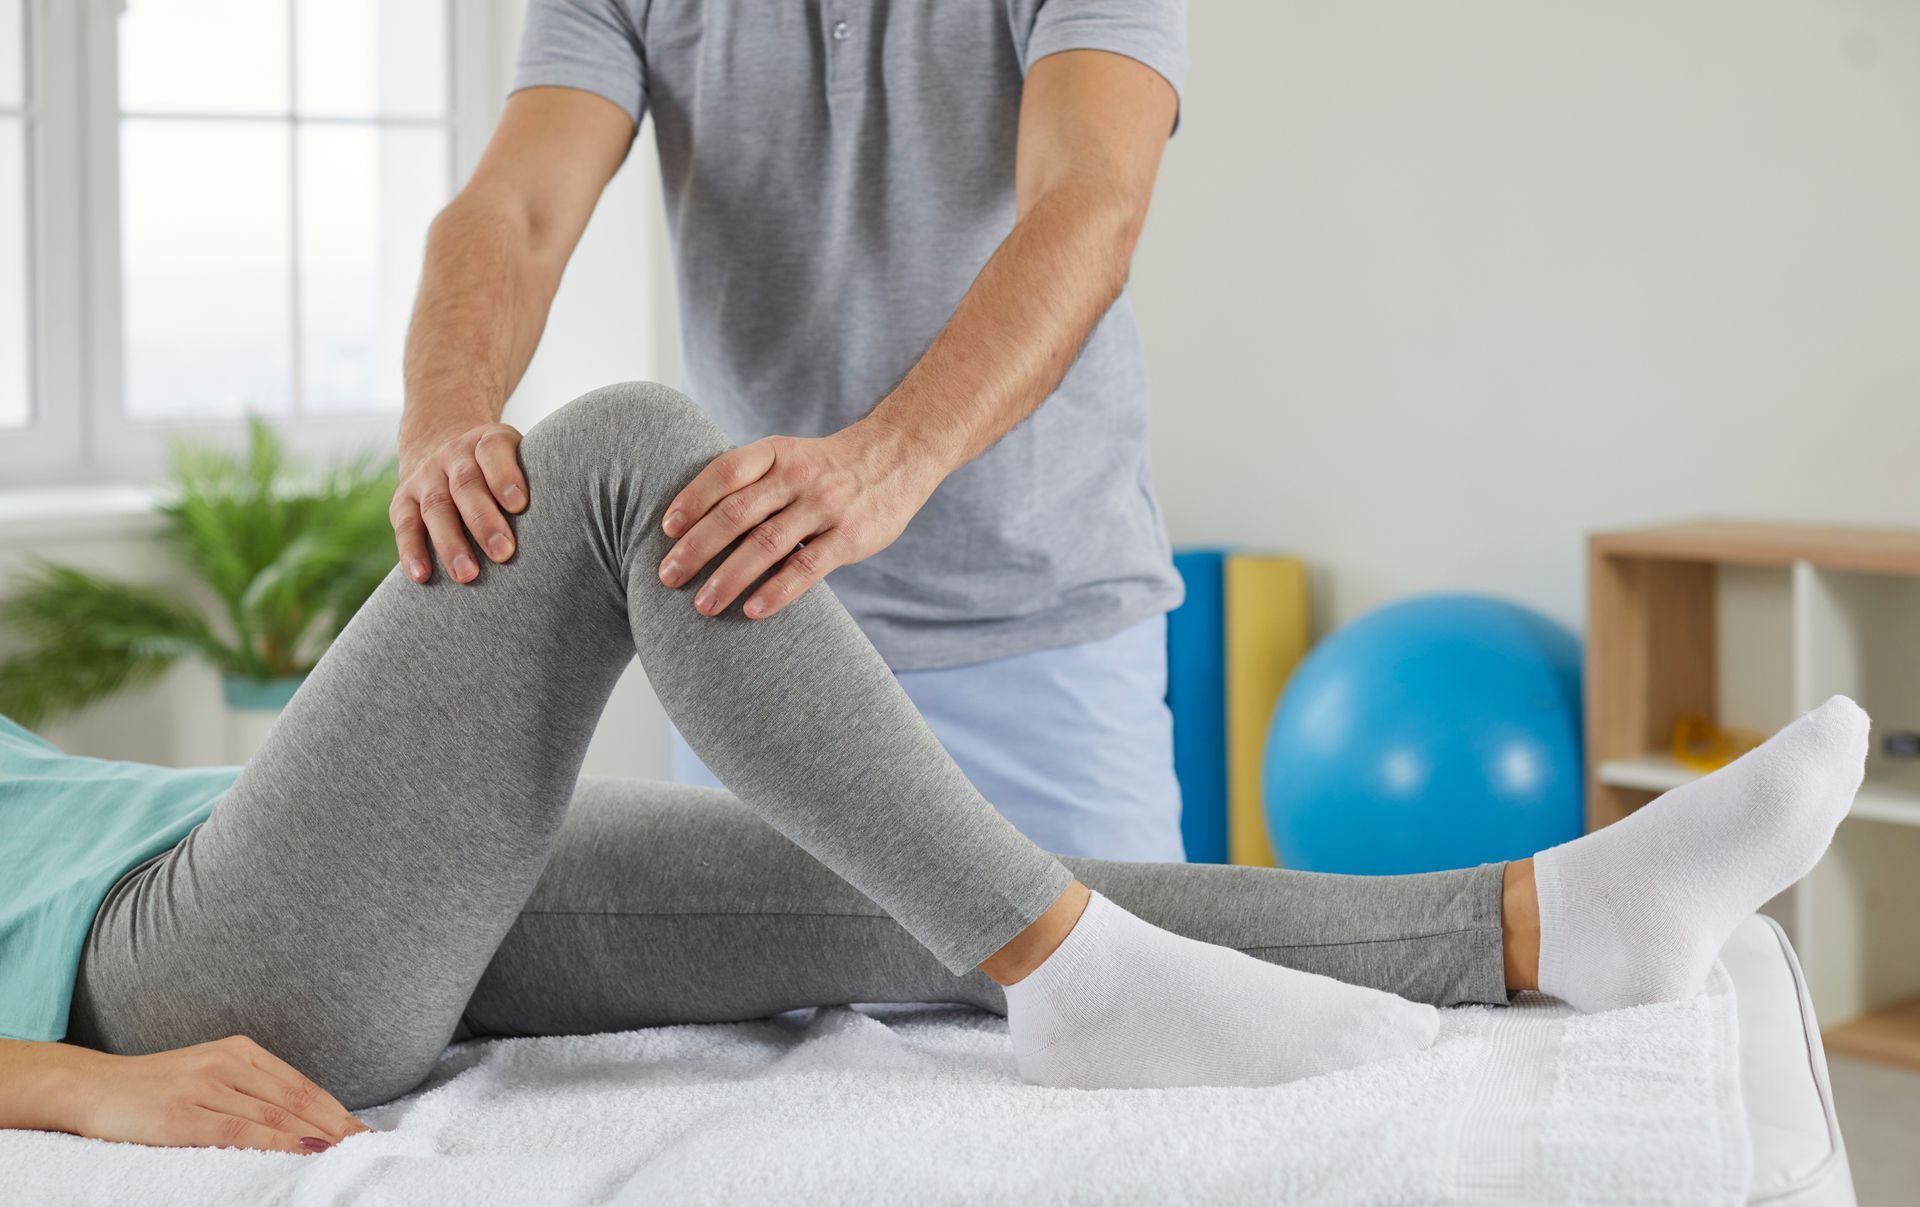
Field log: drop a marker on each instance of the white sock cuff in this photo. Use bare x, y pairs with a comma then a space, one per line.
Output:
1083, 942
1557, 919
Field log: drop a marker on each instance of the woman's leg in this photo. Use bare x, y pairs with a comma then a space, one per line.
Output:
672, 904
344, 898
664, 903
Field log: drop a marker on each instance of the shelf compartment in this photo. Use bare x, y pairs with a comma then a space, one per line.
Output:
1891, 792
1751, 625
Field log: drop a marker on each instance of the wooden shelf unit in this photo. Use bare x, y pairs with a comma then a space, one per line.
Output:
1751, 624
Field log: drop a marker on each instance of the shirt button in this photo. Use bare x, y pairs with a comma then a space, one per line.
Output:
840, 31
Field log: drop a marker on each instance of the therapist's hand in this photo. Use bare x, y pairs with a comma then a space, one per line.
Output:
454, 486
846, 496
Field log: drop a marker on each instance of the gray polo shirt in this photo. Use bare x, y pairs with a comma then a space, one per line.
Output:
836, 173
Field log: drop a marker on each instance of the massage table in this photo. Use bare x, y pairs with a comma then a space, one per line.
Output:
1799, 1159
1723, 1099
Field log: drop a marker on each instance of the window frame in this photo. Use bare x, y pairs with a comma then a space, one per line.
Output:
79, 430
52, 435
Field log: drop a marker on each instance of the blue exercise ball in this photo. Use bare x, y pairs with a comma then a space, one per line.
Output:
1440, 732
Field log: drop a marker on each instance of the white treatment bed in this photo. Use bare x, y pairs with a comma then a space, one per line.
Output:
1798, 1156
1720, 1100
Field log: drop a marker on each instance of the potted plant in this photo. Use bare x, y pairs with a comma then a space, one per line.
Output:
286, 554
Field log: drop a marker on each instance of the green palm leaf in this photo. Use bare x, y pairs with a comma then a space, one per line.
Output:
91, 636
289, 554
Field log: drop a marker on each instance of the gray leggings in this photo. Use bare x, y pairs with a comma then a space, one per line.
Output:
411, 857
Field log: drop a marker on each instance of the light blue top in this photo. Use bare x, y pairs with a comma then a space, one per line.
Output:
69, 828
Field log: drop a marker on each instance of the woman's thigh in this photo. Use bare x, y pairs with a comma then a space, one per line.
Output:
209, 940
344, 896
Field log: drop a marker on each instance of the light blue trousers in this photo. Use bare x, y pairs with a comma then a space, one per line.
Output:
1074, 745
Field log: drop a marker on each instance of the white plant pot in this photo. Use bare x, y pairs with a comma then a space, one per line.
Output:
253, 705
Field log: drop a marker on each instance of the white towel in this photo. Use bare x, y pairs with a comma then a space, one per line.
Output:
1530, 1104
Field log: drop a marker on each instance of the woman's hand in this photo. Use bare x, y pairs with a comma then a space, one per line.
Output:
231, 1093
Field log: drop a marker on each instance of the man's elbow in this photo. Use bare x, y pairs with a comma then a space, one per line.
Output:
1115, 218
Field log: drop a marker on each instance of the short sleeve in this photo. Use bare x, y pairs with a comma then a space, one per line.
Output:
1153, 32
591, 45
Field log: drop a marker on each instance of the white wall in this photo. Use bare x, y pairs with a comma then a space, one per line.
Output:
1432, 289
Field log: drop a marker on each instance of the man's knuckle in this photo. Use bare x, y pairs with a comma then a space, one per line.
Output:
734, 510
465, 474
770, 538
806, 561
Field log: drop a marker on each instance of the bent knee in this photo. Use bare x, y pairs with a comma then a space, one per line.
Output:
618, 420
637, 443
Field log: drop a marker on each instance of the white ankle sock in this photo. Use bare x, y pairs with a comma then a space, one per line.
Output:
1637, 912
1123, 1003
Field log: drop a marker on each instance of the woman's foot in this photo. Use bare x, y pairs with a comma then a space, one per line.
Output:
1122, 1003
1637, 912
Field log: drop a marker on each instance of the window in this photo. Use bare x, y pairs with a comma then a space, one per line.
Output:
15, 361
236, 228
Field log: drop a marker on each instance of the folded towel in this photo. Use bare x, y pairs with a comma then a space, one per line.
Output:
1530, 1104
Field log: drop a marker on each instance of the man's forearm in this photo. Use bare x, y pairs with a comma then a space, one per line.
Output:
1020, 325
484, 296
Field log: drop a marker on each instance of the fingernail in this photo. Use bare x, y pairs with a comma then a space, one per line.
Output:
513, 496
463, 567
672, 523
670, 573
314, 1144
416, 570
704, 600
500, 547
755, 607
